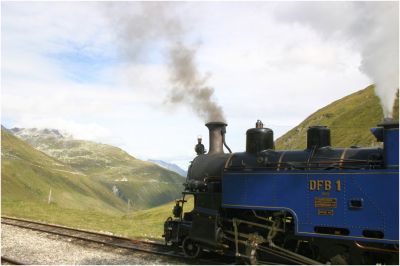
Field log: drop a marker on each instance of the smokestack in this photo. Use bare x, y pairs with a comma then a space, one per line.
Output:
217, 131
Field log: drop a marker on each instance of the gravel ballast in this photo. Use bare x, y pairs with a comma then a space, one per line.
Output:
33, 247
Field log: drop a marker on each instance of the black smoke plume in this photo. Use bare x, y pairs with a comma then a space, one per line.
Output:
142, 24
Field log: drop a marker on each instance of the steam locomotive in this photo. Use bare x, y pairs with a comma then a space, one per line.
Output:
318, 205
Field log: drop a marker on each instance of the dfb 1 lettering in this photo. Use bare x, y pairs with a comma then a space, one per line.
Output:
326, 185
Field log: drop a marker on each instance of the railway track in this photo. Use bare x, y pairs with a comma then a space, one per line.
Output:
151, 247
10, 261
155, 248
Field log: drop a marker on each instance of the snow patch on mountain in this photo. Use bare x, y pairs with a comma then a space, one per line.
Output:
29, 133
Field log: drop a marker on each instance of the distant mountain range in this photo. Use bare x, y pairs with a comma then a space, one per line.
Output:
135, 183
169, 166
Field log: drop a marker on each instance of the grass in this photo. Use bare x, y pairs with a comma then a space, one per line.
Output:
349, 119
29, 175
146, 224
142, 183
81, 200
396, 107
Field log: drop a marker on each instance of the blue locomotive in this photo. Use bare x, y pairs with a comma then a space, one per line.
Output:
318, 205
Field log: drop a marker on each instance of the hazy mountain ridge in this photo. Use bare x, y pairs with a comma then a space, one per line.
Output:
142, 184
349, 118
170, 166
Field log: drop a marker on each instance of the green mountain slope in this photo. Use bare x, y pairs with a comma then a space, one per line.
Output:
396, 107
140, 184
349, 119
141, 224
77, 199
28, 175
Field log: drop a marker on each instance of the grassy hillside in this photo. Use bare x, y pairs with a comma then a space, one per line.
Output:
78, 200
28, 175
140, 224
396, 107
349, 119
142, 184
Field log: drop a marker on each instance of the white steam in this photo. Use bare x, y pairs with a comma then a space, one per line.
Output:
372, 28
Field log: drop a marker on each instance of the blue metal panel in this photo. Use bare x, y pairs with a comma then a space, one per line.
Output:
391, 137
317, 198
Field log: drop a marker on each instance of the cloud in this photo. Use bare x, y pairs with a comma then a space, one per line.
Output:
54, 27
274, 71
371, 28
90, 131
61, 68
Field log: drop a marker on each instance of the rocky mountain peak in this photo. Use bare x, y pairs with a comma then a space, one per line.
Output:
31, 133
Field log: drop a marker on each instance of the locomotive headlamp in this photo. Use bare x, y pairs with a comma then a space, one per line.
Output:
199, 148
177, 210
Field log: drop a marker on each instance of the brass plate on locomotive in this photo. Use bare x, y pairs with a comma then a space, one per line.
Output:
325, 202
326, 212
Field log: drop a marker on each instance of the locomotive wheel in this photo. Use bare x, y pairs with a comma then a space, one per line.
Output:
190, 248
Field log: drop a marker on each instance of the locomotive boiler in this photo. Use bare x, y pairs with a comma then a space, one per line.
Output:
317, 205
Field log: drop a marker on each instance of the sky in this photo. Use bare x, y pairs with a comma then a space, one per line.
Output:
106, 72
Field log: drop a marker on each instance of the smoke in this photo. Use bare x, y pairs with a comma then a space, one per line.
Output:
142, 26
370, 27
189, 86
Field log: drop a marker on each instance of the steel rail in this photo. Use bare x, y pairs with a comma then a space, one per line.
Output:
11, 261
101, 238
77, 229
150, 247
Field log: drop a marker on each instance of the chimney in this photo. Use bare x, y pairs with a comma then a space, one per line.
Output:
217, 131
